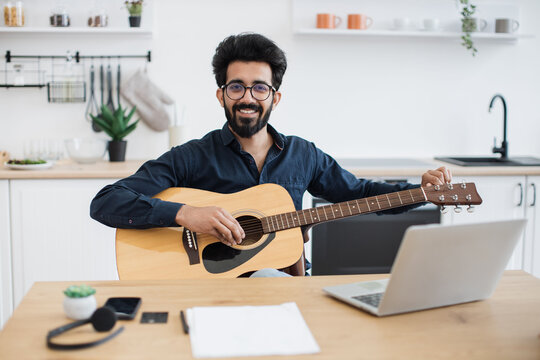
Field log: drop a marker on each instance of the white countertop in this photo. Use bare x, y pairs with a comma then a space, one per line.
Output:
361, 167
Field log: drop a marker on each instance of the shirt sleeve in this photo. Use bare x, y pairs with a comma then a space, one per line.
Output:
335, 184
128, 203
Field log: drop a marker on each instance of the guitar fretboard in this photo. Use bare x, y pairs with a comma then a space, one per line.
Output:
341, 210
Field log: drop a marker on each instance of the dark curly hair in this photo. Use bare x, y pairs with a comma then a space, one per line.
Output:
249, 47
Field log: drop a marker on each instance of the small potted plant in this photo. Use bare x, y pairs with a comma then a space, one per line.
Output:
80, 302
116, 125
134, 8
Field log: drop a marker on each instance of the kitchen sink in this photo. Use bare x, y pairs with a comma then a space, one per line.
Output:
490, 161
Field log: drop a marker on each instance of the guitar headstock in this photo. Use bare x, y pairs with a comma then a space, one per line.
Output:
453, 194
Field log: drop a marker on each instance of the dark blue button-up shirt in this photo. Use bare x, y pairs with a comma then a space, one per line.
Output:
217, 163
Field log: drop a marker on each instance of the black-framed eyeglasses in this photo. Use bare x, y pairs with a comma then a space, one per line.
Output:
259, 91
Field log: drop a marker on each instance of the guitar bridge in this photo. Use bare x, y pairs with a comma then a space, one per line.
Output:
189, 240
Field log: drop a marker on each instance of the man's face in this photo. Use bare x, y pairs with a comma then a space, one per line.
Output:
247, 115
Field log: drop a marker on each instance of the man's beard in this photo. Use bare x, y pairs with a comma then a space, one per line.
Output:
241, 125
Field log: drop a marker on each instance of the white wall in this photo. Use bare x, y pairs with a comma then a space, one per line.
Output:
352, 96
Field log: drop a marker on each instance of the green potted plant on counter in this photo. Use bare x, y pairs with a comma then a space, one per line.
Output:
79, 302
116, 125
134, 8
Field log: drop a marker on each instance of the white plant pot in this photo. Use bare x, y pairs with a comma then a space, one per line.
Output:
80, 308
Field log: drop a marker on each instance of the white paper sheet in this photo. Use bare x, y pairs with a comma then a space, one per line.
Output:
225, 331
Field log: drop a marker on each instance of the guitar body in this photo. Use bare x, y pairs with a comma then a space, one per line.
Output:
161, 253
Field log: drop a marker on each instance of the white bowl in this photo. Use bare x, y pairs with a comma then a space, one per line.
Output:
86, 151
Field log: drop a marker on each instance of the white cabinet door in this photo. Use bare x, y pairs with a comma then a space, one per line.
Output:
6, 295
531, 248
54, 237
503, 198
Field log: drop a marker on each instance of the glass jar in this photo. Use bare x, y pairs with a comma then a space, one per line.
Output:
14, 13
60, 17
98, 18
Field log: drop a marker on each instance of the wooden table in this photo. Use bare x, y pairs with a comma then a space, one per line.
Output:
506, 326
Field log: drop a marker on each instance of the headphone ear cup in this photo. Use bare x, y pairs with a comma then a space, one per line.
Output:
103, 319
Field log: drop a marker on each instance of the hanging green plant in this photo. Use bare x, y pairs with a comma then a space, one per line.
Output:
468, 25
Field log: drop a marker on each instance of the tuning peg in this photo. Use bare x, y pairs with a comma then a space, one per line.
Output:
458, 209
444, 210
463, 184
450, 186
470, 209
437, 187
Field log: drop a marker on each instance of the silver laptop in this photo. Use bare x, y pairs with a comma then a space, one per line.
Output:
438, 265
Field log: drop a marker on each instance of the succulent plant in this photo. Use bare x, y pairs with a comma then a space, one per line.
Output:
79, 291
134, 7
115, 124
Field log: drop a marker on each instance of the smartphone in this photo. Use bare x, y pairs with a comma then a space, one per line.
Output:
125, 307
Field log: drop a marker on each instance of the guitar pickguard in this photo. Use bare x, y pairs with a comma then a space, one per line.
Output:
219, 258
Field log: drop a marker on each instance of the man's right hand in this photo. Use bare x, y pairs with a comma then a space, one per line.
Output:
211, 220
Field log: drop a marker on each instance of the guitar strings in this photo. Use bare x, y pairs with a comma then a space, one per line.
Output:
256, 223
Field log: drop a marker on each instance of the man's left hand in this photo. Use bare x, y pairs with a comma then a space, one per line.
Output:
437, 177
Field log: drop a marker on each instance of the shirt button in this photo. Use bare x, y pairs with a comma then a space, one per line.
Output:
130, 221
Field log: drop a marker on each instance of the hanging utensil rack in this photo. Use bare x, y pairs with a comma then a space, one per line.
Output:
68, 57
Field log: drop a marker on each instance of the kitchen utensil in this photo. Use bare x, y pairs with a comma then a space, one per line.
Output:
118, 85
101, 84
110, 103
92, 107
86, 151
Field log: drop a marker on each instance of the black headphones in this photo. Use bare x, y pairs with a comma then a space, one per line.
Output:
103, 319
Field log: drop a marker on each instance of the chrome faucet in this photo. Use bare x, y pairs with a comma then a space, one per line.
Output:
503, 149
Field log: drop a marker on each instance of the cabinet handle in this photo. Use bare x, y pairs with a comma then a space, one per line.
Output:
520, 195
534, 195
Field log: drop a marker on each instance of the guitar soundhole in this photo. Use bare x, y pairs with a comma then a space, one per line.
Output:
252, 227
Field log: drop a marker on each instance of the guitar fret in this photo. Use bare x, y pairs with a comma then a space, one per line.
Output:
288, 226
324, 209
412, 197
292, 219
378, 204
399, 197
349, 206
339, 205
389, 203
367, 202
304, 213
358, 206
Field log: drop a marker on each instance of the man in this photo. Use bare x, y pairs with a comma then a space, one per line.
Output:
246, 152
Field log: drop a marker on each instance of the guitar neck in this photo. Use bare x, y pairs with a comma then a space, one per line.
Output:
342, 210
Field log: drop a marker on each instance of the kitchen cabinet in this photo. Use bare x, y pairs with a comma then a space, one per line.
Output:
53, 236
504, 197
531, 247
6, 298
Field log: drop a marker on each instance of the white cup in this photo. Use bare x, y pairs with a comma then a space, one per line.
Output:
177, 135
402, 23
431, 24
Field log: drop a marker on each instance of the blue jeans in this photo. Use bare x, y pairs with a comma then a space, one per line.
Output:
269, 273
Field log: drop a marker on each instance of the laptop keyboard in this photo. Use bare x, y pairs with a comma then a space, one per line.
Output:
371, 299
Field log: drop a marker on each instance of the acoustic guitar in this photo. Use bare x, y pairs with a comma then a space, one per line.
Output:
272, 226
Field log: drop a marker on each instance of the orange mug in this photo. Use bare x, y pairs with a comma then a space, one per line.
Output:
359, 21
328, 21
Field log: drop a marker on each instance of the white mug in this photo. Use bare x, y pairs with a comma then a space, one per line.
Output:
401, 23
431, 24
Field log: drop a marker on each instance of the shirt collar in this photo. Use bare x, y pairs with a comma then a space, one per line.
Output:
227, 136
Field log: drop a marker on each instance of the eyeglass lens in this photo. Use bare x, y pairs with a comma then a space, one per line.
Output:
236, 91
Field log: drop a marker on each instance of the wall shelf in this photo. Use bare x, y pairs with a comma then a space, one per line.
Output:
411, 34
77, 30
